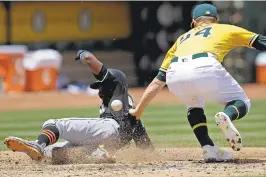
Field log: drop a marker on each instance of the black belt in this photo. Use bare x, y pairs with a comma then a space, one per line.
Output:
195, 56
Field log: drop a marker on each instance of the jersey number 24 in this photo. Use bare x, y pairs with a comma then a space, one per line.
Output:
204, 32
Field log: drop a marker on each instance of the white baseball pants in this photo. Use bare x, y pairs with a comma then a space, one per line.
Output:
194, 81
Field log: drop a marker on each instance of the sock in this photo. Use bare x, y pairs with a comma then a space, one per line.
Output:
49, 135
235, 109
198, 123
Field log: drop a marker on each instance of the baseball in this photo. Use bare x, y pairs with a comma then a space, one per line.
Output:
116, 105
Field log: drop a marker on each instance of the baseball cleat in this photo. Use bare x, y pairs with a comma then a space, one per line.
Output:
228, 129
31, 148
215, 154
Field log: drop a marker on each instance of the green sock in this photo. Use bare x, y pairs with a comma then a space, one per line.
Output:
235, 109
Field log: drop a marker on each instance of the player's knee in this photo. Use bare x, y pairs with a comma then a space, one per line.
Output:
196, 116
240, 107
50, 122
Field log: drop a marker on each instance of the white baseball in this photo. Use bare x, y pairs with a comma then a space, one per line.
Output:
116, 105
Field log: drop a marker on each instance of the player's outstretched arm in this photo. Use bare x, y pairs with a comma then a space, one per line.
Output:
151, 91
88, 58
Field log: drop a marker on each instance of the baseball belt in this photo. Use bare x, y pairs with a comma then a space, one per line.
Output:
195, 56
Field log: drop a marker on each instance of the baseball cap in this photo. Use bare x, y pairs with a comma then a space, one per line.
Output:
204, 10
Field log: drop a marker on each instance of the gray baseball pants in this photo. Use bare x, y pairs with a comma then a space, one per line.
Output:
85, 132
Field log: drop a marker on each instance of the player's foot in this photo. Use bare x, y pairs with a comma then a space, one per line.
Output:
228, 129
215, 154
31, 148
103, 155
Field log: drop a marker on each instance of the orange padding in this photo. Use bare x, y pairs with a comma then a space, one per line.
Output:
41, 79
261, 74
12, 71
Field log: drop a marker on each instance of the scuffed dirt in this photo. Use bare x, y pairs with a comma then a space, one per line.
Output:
131, 162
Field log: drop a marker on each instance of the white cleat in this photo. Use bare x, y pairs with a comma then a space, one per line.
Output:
215, 154
229, 130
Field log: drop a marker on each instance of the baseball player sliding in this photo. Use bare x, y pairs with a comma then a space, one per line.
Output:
193, 72
114, 129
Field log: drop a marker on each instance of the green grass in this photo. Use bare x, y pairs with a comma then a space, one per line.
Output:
167, 125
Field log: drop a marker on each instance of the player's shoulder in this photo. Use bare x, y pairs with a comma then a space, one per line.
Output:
227, 27
222, 26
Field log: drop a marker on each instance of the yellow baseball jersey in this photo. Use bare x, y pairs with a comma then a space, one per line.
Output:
217, 39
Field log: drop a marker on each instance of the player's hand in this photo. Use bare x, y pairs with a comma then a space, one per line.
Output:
82, 55
135, 113
78, 54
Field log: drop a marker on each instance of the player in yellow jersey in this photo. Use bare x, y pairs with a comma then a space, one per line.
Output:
193, 72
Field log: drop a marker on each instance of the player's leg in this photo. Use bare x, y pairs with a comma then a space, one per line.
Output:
188, 86
182, 87
210, 80
234, 110
229, 93
88, 131
237, 105
48, 150
59, 152
35, 149
198, 122
77, 131
91, 134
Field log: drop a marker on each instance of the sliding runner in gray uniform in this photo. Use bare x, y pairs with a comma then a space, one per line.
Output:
99, 136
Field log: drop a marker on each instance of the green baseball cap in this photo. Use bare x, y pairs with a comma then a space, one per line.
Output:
204, 10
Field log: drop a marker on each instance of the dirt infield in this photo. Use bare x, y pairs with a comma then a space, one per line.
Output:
163, 163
